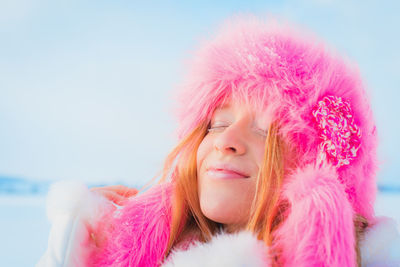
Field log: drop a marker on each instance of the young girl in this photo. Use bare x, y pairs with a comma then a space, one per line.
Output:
276, 166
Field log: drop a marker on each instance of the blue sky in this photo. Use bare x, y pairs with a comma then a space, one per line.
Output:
85, 86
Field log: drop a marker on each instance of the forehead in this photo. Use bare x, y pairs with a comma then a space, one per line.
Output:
258, 114
235, 106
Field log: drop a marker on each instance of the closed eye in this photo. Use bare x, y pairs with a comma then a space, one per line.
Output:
261, 132
217, 127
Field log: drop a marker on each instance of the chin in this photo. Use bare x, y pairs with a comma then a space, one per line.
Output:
223, 212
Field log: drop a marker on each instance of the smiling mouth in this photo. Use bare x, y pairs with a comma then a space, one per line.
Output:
221, 173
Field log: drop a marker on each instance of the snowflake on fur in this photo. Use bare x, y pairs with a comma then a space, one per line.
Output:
339, 133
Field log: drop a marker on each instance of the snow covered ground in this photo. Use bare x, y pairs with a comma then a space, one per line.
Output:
24, 227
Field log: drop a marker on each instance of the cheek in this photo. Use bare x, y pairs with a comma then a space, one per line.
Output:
259, 151
203, 150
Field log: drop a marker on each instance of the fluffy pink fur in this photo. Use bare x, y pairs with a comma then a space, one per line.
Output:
137, 235
284, 72
319, 230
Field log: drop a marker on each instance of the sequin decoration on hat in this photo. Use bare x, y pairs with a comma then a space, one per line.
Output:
340, 135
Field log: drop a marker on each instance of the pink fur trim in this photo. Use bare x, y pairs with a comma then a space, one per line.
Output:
283, 72
319, 229
139, 232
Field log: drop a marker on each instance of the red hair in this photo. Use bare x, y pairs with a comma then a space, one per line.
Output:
186, 212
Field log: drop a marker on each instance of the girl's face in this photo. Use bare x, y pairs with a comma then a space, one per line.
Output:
228, 162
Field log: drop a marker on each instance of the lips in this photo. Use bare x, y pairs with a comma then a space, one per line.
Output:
226, 171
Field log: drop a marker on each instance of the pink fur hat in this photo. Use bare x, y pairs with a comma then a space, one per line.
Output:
317, 97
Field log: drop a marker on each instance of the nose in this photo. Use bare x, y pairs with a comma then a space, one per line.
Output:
231, 140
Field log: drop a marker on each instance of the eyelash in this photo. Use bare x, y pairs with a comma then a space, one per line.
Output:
262, 132
259, 131
216, 128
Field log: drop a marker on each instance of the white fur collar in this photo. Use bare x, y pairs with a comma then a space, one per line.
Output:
381, 245
380, 248
235, 250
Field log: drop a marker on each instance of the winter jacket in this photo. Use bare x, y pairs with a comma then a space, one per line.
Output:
87, 230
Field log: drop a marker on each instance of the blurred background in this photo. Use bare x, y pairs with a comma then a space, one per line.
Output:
85, 92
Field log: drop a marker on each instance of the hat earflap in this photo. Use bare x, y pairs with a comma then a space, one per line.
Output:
318, 230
